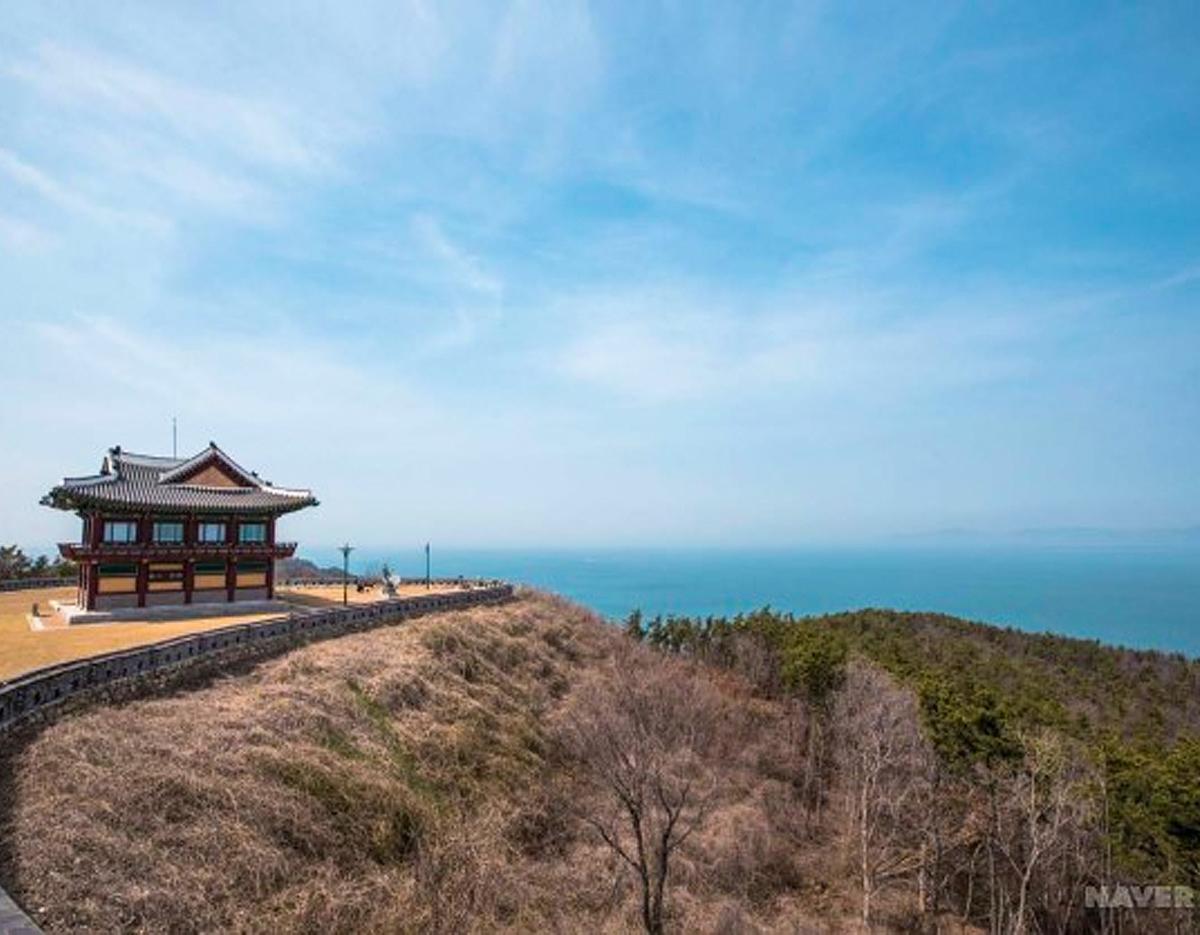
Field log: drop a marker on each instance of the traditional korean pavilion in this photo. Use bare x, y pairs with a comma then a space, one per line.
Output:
170, 531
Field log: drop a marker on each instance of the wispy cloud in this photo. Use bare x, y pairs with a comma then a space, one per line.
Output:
20, 236
259, 131
1183, 277
677, 346
69, 199
463, 268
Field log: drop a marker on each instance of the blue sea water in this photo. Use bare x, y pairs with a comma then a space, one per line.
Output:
1146, 597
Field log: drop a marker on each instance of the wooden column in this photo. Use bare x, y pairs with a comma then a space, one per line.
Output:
81, 585
145, 534
270, 539
93, 585
230, 561
95, 530
189, 564
143, 581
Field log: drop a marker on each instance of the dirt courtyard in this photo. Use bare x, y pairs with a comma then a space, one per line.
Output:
22, 648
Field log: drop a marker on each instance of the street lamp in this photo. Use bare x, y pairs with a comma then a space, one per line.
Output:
346, 550
427, 580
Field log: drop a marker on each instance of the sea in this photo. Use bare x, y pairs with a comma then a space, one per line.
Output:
1138, 596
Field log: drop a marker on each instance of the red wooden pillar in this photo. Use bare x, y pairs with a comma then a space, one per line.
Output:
189, 564
93, 585
270, 537
95, 526
230, 561
86, 597
143, 573
81, 571
189, 579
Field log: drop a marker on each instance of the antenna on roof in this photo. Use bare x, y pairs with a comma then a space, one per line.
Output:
174, 438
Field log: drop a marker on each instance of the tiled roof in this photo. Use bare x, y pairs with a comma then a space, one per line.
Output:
132, 481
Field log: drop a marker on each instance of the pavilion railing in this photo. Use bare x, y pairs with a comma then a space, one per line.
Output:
175, 550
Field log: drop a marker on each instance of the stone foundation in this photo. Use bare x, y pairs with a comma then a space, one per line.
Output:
173, 610
164, 598
115, 601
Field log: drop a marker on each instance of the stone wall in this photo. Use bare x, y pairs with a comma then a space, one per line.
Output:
327, 580
44, 693
29, 584
12, 920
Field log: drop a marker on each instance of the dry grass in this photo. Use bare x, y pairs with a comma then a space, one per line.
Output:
327, 595
404, 779
23, 649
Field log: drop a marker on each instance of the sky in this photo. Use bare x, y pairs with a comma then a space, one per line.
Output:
614, 274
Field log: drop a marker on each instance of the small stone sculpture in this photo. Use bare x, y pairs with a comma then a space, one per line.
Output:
389, 583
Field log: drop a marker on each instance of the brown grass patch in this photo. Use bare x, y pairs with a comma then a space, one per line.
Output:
330, 595
403, 779
23, 649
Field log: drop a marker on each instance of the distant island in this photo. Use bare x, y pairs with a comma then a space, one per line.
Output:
1062, 535
530, 767
301, 569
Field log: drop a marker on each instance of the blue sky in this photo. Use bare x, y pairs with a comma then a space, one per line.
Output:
613, 274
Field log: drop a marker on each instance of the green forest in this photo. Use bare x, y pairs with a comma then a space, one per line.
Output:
1096, 748
16, 565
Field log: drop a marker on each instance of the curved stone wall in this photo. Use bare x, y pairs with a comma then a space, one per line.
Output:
30, 584
42, 693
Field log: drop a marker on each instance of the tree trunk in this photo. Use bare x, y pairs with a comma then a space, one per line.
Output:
993, 834
864, 852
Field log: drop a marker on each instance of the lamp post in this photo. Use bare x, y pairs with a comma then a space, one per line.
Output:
428, 582
346, 550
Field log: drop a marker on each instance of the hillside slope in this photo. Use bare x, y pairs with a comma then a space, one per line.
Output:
402, 778
507, 768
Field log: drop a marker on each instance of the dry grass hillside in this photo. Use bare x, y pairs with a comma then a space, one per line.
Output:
469, 771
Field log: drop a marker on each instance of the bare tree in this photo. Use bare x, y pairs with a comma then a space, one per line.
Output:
884, 768
1048, 817
639, 734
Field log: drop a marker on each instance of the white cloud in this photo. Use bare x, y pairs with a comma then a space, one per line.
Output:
69, 199
1182, 277
463, 268
548, 50
671, 346
20, 236
257, 130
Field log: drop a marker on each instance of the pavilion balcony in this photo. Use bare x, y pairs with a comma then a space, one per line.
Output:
167, 551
